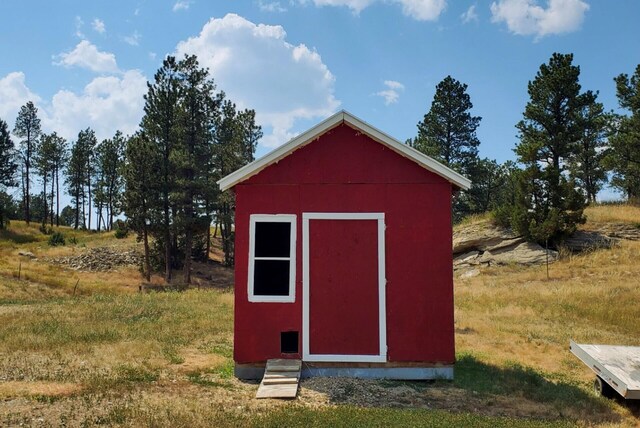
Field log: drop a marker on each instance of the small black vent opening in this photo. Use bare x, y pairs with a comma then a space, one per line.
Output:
289, 342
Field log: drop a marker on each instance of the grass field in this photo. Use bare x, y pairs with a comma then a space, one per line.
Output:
109, 356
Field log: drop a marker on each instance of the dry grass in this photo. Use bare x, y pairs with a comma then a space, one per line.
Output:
613, 213
111, 357
23, 278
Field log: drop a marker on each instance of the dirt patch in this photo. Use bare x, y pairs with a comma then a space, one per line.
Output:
48, 389
195, 361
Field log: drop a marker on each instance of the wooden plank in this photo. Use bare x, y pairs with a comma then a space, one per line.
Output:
284, 365
280, 381
281, 378
278, 391
278, 375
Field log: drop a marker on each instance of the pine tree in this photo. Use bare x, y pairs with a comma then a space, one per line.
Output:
142, 173
234, 147
196, 119
59, 159
8, 167
623, 156
587, 164
28, 128
548, 206
108, 184
448, 131
43, 161
159, 126
79, 173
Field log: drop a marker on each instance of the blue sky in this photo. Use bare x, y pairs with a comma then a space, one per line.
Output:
297, 61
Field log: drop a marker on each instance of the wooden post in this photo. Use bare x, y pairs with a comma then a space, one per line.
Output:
75, 287
546, 247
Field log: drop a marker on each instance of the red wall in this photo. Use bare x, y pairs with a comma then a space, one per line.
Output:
345, 171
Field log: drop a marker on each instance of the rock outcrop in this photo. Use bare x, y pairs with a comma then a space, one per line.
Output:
487, 244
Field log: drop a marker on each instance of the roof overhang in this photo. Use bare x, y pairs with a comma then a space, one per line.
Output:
337, 119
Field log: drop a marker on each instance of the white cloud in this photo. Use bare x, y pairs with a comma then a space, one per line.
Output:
98, 26
391, 94
421, 10
527, 17
106, 104
14, 93
79, 25
152, 56
273, 6
259, 69
470, 15
86, 55
181, 5
133, 39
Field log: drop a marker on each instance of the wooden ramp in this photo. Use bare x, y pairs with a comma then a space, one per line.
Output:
281, 378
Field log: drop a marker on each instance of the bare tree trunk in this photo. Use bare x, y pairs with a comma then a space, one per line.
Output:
89, 202
188, 242
208, 239
147, 263
53, 182
57, 198
44, 201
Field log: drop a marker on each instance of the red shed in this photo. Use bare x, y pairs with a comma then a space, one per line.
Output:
343, 256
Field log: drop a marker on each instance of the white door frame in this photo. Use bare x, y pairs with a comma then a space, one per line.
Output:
382, 314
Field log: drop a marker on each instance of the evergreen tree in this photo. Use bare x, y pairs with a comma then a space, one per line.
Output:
448, 131
108, 184
59, 159
587, 164
234, 147
79, 172
623, 156
196, 119
142, 173
28, 129
548, 206
448, 134
8, 168
159, 125
43, 161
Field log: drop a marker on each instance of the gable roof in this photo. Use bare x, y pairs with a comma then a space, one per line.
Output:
333, 121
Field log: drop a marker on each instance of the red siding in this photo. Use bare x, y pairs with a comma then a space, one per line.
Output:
343, 276
344, 171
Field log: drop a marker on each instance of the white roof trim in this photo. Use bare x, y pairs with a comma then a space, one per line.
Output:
343, 117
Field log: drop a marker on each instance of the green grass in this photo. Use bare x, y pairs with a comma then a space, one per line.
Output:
165, 359
353, 416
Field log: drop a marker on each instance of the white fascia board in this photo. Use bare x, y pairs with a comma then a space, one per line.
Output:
329, 123
279, 153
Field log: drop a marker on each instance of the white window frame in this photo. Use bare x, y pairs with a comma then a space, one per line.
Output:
272, 218
382, 282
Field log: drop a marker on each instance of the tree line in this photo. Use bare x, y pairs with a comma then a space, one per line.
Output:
162, 178
569, 148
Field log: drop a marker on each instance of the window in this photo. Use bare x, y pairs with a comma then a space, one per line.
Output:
272, 263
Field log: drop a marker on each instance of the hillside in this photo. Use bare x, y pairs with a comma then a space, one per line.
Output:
111, 356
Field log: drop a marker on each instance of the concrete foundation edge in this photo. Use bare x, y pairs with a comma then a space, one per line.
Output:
398, 373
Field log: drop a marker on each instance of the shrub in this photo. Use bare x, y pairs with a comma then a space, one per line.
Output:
56, 239
122, 229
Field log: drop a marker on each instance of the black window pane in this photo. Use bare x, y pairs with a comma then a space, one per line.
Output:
271, 278
272, 239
